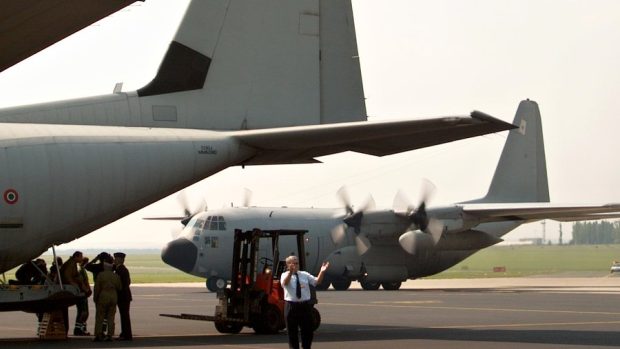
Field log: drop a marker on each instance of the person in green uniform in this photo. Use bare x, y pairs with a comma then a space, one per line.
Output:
107, 286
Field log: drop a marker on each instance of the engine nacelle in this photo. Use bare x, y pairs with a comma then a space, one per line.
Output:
467, 240
416, 241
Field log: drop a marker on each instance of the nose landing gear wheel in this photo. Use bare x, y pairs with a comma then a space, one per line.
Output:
215, 284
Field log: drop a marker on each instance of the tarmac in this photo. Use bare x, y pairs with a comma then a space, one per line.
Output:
566, 312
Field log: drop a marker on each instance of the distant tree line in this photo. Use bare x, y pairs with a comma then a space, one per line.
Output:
594, 233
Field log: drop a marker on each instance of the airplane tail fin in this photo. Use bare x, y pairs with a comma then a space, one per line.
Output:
238, 64
521, 174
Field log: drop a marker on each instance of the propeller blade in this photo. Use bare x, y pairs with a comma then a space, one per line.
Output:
435, 227
401, 203
428, 189
182, 199
362, 243
203, 206
407, 241
247, 197
338, 234
369, 204
176, 232
343, 195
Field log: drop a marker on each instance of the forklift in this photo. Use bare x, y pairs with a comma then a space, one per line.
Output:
255, 298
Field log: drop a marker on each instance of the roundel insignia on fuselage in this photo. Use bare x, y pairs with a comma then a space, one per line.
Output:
10, 196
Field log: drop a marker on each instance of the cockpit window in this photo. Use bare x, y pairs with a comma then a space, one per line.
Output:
198, 226
215, 223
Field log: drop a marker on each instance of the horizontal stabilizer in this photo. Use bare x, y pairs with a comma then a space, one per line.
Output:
537, 211
302, 144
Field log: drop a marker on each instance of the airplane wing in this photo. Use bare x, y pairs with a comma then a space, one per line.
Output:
537, 211
302, 144
29, 26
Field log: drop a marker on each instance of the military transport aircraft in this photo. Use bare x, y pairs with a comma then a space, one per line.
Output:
385, 247
242, 83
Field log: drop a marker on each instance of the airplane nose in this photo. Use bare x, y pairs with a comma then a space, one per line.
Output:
181, 254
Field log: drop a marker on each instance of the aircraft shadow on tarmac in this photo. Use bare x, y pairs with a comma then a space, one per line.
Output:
336, 333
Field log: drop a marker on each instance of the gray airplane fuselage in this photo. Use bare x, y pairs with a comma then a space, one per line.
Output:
79, 178
204, 247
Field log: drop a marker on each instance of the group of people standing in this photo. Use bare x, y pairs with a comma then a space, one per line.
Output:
111, 290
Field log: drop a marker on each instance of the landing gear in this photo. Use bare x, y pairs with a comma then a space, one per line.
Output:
324, 285
215, 284
391, 286
341, 284
370, 286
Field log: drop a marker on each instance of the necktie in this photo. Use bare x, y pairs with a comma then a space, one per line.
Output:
298, 290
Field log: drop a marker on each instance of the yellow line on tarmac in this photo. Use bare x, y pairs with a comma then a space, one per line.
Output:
378, 305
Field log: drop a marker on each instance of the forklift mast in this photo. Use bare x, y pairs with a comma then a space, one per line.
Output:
245, 254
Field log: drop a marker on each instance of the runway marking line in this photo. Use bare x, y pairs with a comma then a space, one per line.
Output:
472, 308
533, 324
407, 302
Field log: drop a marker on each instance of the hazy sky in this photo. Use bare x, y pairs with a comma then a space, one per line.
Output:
419, 59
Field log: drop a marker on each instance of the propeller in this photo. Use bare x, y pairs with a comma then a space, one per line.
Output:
418, 217
353, 219
189, 213
175, 232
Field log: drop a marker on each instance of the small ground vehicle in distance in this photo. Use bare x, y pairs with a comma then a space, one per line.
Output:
615, 267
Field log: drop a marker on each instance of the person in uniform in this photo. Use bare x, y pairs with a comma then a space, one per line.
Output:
96, 266
124, 296
82, 305
70, 275
298, 309
105, 296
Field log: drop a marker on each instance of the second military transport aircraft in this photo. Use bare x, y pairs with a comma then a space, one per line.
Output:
242, 83
386, 247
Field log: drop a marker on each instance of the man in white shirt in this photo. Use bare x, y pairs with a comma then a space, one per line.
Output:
298, 309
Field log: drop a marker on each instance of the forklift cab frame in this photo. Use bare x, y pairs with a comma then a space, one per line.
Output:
256, 298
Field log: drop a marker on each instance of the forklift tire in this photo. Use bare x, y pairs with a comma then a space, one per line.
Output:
270, 321
228, 327
316, 319
391, 286
370, 286
341, 284
215, 284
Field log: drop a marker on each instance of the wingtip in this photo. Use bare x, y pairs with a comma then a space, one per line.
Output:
488, 118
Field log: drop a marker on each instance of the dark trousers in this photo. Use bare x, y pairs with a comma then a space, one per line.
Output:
123, 310
82, 311
299, 316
